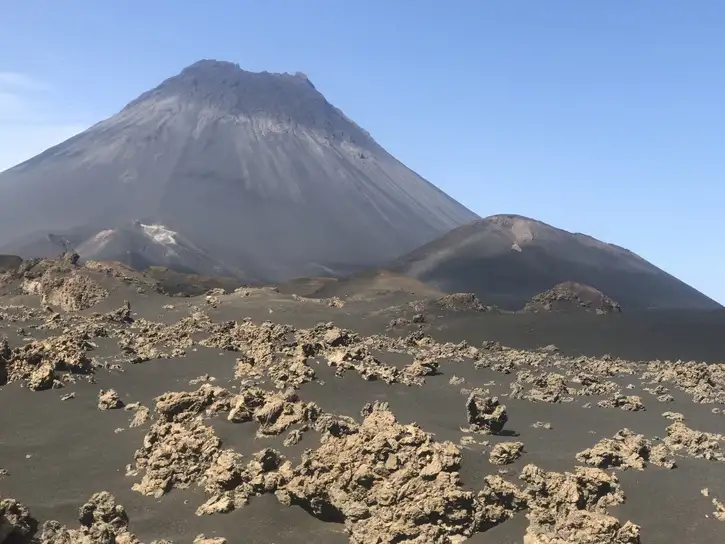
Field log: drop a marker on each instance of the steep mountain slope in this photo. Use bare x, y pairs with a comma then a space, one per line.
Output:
507, 259
256, 168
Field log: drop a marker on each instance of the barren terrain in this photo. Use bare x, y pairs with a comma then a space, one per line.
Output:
370, 410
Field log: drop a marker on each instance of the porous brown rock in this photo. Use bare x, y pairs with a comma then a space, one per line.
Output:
485, 414
40, 361
705, 383
505, 453
387, 482
719, 513
201, 539
102, 520
571, 508
628, 403
541, 386
68, 289
231, 483
275, 412
121, 314
16, 523
174, 455
141, 417
460, 302
108, 399
41, 378
184, 405
179, 451
626, 450
688, 442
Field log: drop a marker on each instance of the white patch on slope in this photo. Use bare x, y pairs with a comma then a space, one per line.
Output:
160, 234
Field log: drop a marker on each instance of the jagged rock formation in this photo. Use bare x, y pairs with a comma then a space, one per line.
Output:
626, 450
101, 519
571, 508
572, 296
508, 259
485, 414
258, 169
16, 524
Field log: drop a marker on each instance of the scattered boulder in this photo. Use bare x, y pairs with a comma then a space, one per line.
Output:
541, 386
109, 400
387, 482
40, 361
626, 450
704, 382
691, 443
185, 405
174, 455
16, 524
505, 453
121, 314
101, 519
461, 302
70, 290
141, 417
201, 539
42, 378
179, 451
719, 513
542, 425
571, 508
628, 403
485, 414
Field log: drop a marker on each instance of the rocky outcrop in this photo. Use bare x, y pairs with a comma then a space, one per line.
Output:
461, 302
101, 519
571, 508
70, 290
628, 403
505, 453
16, 523
485, 414
626, 450
541, 386
43, 364
688, 442
572, 296
109, 400
390, 482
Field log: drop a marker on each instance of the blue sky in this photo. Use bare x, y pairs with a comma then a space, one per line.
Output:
600, 117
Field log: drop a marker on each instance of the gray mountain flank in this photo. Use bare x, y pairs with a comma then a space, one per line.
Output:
257, 169
508, 259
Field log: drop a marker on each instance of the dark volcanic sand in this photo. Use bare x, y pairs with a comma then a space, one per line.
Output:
59, 453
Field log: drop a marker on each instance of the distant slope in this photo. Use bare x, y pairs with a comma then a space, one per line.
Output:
257, 169
507, 259
141, 246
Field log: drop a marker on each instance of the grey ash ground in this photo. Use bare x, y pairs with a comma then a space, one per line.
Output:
375, 410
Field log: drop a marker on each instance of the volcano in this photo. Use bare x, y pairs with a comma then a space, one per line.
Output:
258, 169
508, 259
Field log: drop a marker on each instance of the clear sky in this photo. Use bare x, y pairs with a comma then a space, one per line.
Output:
602, 117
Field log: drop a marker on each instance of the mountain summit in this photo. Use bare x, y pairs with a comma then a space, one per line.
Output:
508, 259
258, 169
